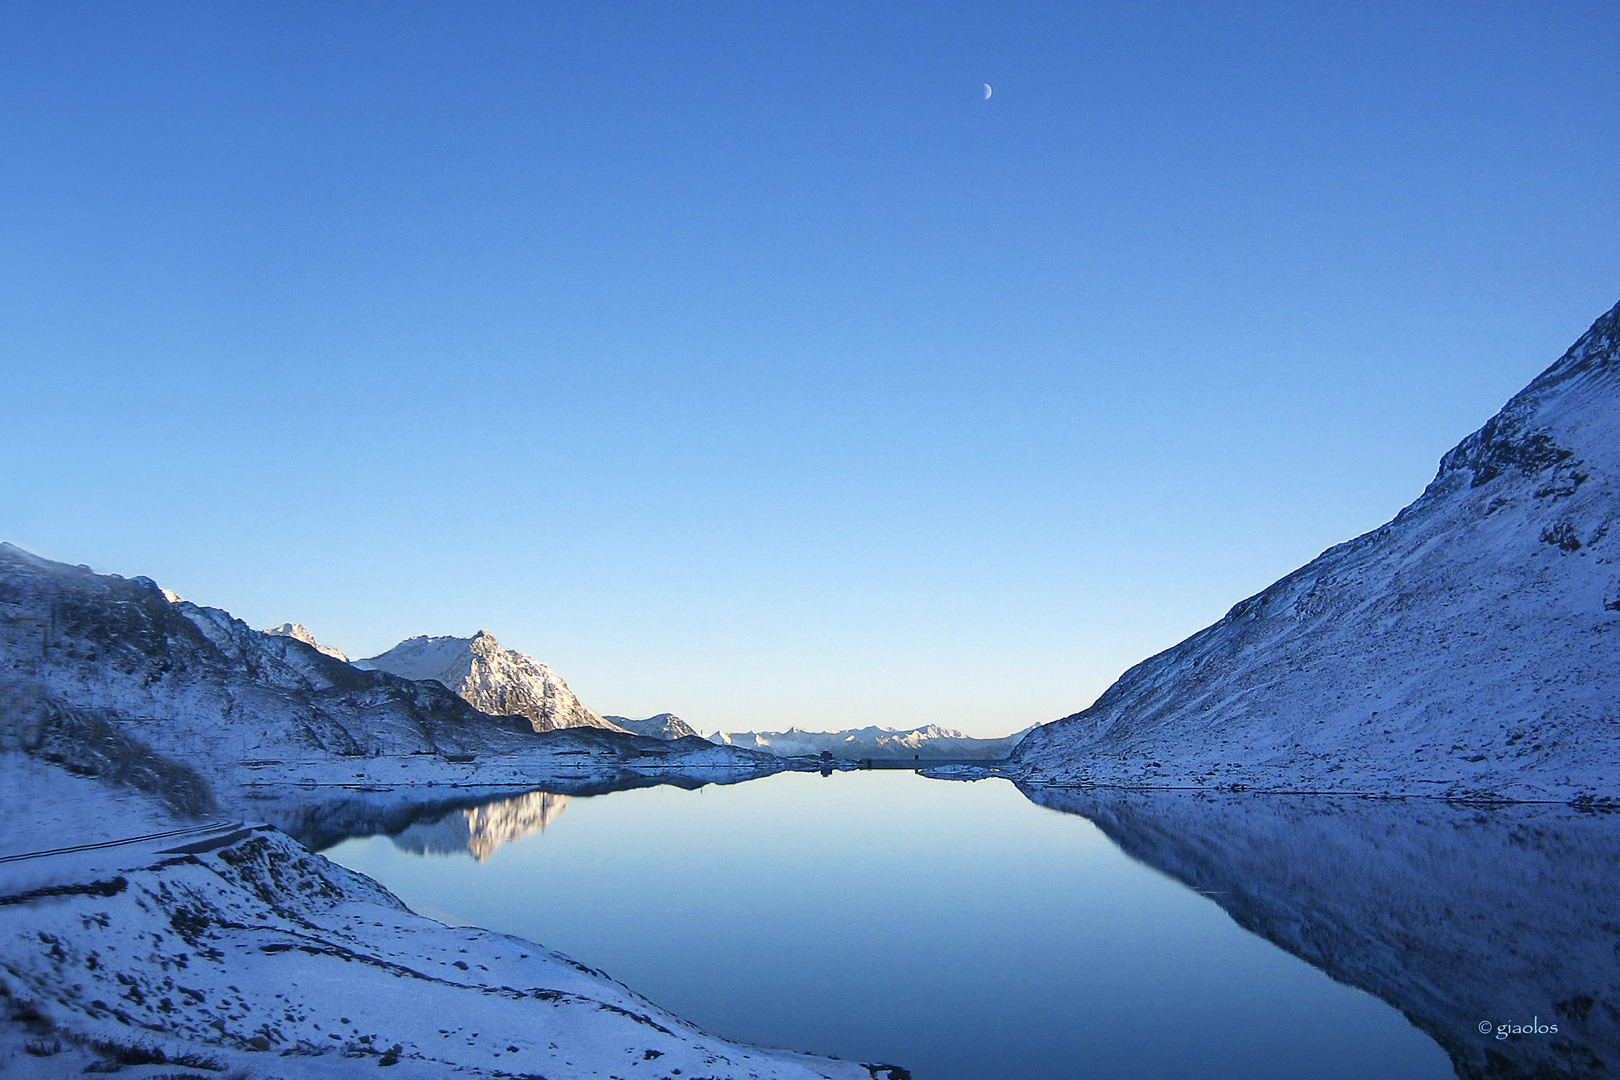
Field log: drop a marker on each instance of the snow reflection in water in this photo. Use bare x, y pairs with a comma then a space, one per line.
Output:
968, 933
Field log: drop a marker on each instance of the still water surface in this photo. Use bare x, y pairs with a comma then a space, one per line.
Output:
957, 929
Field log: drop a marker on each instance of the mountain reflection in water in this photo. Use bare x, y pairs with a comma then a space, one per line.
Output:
481, 829
424, 819
1462, 917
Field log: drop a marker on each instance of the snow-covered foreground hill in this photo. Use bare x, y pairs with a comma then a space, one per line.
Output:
1459, 916
1466, 649
244, 954
495, 680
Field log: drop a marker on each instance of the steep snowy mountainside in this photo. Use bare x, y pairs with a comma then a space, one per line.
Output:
1467, 648
491, 678
663, 726
929, 741
300, 632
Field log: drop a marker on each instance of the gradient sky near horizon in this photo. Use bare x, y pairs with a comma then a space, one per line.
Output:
743, 361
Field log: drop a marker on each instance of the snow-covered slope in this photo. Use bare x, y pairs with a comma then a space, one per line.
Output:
930, 742
663, 726
496, 680
300, 632
1468, 648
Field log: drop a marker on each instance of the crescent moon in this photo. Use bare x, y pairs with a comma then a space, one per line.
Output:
987, 91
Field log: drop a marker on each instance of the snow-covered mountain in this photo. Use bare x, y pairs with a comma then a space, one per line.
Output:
300, 632
496, 680
1467, 648
256, 713
928, 742
663, 726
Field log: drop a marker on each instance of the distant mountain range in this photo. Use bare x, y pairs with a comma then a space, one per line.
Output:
492, 679
1466, 649
928, 742
197, 679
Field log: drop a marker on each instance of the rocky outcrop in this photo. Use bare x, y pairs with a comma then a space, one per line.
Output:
1465, 649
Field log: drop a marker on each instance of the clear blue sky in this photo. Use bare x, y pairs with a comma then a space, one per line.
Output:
743, 360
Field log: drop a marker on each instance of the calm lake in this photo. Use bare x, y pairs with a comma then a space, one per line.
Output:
957, 929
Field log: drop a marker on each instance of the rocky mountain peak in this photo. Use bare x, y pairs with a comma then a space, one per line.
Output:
491, 678
300, 632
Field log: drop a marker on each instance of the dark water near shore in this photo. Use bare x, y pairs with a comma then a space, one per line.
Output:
958, 929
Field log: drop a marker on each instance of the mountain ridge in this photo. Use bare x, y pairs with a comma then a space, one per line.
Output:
253, 711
